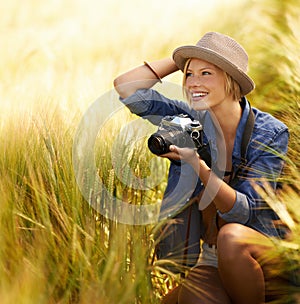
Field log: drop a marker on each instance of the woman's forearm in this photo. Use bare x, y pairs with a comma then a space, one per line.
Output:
143, 77
220, 192
216, 189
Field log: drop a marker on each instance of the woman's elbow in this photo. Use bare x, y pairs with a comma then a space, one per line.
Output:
118, 84
123, 87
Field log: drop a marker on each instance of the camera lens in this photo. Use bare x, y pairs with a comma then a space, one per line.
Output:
157, 144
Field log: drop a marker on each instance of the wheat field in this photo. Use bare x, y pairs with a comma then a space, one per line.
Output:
57, 59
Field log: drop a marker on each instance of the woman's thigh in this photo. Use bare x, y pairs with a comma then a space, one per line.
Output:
203, 285
235, 241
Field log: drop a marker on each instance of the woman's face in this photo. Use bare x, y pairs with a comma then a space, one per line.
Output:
205, 85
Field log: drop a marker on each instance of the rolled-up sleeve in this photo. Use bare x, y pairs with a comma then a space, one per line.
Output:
240, 212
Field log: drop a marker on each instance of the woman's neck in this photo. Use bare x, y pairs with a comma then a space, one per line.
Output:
228, 118
226, 127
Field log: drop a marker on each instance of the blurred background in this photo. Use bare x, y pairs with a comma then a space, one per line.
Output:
76, 48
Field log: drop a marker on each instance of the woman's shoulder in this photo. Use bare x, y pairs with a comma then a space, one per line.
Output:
269, 131
266, 121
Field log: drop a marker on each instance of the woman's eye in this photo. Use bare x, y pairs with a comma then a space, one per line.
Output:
188, 74
205, 73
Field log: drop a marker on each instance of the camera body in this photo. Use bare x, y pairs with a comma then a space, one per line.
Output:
182, 131
177, 130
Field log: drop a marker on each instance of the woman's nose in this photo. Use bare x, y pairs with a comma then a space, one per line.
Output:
194, 80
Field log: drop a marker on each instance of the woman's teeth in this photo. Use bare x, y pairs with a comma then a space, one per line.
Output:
199, 94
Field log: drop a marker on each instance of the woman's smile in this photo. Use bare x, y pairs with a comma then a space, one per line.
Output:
198, 96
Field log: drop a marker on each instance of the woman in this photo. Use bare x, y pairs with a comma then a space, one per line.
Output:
234, 224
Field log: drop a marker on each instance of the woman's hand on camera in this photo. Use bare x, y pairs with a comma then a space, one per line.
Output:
186, 154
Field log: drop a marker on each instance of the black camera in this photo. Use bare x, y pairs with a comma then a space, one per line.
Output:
181, 131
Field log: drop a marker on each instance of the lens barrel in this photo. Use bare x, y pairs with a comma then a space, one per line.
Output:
157, 144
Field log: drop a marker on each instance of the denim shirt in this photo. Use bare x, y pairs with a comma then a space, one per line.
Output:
268, 142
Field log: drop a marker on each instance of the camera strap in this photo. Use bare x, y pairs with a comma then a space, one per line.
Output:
247, 135
244, 144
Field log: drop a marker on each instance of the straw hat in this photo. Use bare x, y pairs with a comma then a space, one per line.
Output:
223, 52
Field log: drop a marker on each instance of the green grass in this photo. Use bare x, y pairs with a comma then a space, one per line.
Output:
54, 247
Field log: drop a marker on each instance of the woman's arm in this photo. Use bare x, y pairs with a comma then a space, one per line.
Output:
220, 192
144, 76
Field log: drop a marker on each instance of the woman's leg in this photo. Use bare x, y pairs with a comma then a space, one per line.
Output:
239, 249
203, 286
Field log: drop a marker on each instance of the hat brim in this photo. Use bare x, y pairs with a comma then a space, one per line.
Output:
183, 53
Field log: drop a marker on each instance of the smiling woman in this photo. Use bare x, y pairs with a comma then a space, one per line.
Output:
203, 81
230, 213
231, 87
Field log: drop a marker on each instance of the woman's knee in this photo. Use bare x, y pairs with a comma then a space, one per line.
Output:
235, 239
230, 234
231, 241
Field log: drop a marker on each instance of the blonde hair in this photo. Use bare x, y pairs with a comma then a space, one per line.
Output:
232, 88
